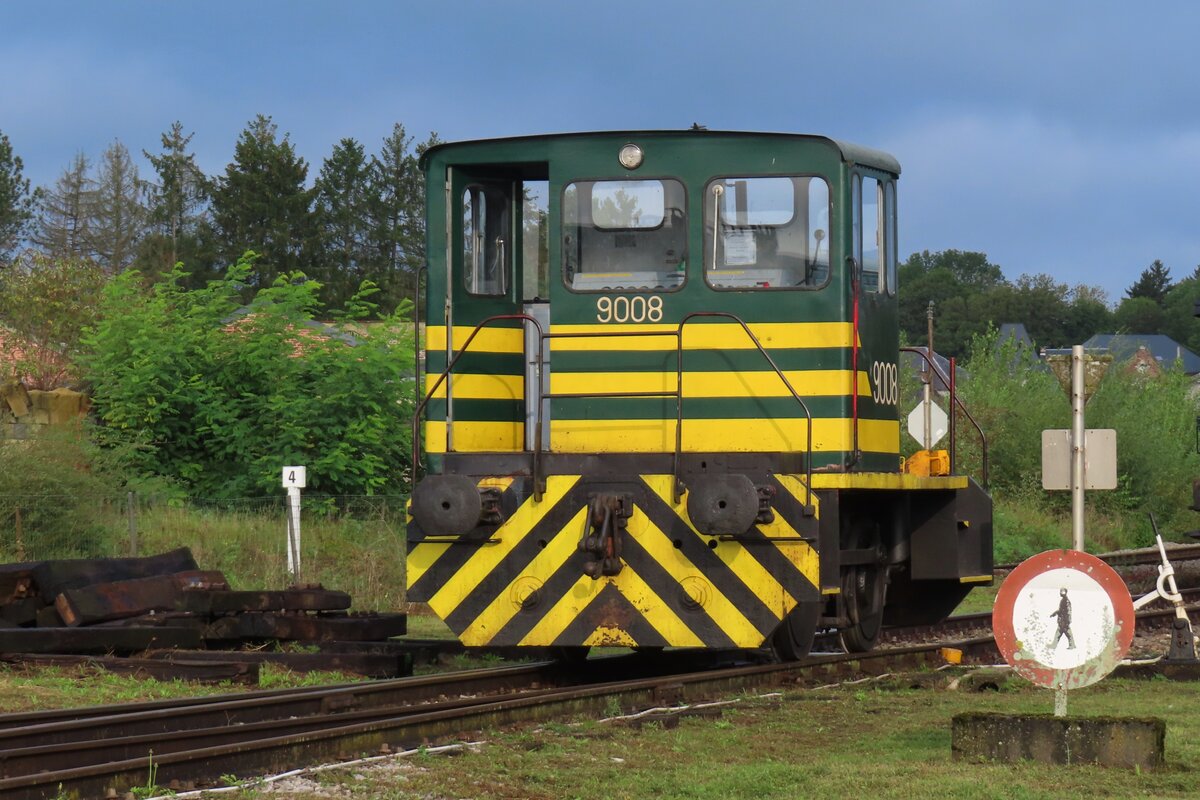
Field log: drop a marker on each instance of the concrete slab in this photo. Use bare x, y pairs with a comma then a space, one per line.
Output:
1130, 742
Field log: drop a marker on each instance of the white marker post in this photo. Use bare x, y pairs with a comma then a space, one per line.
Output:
293, 481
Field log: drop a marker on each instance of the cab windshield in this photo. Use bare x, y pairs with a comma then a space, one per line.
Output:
622, 235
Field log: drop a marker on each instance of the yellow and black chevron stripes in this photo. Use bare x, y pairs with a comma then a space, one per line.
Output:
524, 584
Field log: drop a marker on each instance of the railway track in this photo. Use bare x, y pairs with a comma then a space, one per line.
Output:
1131, 558
188, 743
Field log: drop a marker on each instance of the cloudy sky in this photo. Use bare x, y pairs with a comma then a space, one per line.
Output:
1060, 137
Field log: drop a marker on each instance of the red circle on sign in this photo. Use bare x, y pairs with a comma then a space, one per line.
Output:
1013, 650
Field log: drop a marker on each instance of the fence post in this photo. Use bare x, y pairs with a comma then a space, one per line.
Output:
20, 535
131, 499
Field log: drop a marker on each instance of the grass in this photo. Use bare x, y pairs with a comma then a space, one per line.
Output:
70, 687
847, 742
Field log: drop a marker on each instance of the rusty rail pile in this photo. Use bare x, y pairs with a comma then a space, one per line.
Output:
65, 611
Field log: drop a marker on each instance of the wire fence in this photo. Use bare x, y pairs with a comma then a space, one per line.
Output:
351, 543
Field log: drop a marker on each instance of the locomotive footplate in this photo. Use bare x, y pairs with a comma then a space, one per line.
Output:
598, 561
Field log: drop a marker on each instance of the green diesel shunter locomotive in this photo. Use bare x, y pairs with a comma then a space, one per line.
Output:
661, 399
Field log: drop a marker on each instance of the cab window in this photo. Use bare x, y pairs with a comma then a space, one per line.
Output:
868, 238
891, 254
766, 232
486, 249
622, 235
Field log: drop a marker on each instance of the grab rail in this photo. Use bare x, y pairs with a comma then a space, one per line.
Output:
679, 401
541, 395
955, 402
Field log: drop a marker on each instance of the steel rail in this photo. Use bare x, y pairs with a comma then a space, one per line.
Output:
415, 726
279, 744
163, 716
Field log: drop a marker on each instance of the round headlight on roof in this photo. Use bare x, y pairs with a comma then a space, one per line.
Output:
631, 156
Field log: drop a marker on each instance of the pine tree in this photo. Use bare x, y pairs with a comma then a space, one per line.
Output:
343, 206
16, 201
262, 204
397, 216
177, 212
118, 212
64, 212
1154, 283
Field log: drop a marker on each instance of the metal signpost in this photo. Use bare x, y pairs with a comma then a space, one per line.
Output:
1063, 619
1079, 378
294, 479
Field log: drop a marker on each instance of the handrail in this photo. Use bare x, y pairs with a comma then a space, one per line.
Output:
541, 396
679, 401
422, 272
420, 409
948, 381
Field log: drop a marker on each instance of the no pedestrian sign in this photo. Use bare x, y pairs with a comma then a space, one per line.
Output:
1063, 619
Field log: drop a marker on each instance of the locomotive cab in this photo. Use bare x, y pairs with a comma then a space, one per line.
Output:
661, 399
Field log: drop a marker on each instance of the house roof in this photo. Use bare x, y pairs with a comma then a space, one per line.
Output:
1017, 332
916, 364
1123, 346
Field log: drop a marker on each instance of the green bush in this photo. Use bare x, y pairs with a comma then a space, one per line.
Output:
1015, 399
219, 396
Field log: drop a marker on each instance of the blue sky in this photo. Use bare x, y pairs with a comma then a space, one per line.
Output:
1061, 138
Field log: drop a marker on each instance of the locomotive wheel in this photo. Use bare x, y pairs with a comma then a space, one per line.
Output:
863, 591
794, 637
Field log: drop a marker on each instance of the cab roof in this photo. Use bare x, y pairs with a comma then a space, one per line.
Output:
850, 152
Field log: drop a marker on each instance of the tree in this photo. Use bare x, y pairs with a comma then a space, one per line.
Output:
1154, 283
117, 216
179, 230
262, 203
216, 404
46, 305
64, 213
1087, 314
16, 201
1041, 303
1179, 321
343, 212
397, 215
939, 277
1138, 315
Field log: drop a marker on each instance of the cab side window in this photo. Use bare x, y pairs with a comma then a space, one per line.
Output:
890, 237
868, 244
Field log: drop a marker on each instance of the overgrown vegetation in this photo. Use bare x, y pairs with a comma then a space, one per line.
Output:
59, 490
1014, 398
217, 396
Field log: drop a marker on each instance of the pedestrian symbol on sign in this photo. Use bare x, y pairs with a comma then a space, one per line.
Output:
1064, 620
